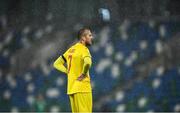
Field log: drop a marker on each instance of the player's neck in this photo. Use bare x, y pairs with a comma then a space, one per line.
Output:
82, 42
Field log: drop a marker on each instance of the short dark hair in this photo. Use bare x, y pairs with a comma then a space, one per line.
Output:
81, 32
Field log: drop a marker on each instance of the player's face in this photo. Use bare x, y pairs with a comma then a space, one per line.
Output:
88, 38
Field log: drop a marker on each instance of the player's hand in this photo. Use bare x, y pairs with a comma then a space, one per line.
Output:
81, 77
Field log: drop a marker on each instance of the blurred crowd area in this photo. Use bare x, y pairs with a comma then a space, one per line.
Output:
136, 59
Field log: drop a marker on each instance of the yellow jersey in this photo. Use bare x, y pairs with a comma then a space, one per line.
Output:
74, 57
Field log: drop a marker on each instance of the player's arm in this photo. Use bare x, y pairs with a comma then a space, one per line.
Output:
86, 67
59, 64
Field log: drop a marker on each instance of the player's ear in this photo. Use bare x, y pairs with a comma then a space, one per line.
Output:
83, 38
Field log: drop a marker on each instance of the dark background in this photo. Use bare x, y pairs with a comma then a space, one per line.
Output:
136, 60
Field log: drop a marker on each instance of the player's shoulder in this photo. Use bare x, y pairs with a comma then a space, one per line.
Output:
71, 47
78, 46
67, 51
85, 50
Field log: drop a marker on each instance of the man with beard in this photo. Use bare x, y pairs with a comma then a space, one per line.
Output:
78, 60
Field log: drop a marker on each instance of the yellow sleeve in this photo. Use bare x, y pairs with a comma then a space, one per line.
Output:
86, 53
87, 61
59, 64
86, 65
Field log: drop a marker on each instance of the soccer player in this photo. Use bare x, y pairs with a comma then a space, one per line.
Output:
78, 60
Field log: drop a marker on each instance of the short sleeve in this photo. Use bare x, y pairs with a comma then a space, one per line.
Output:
65, 55
86, 53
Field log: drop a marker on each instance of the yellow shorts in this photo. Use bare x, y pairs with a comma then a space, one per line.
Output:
81, 102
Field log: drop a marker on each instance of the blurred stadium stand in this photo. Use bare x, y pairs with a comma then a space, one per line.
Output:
136, 59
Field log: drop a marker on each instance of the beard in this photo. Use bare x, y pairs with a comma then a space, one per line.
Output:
89, 43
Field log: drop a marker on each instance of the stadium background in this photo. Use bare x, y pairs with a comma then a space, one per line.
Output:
136, 58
